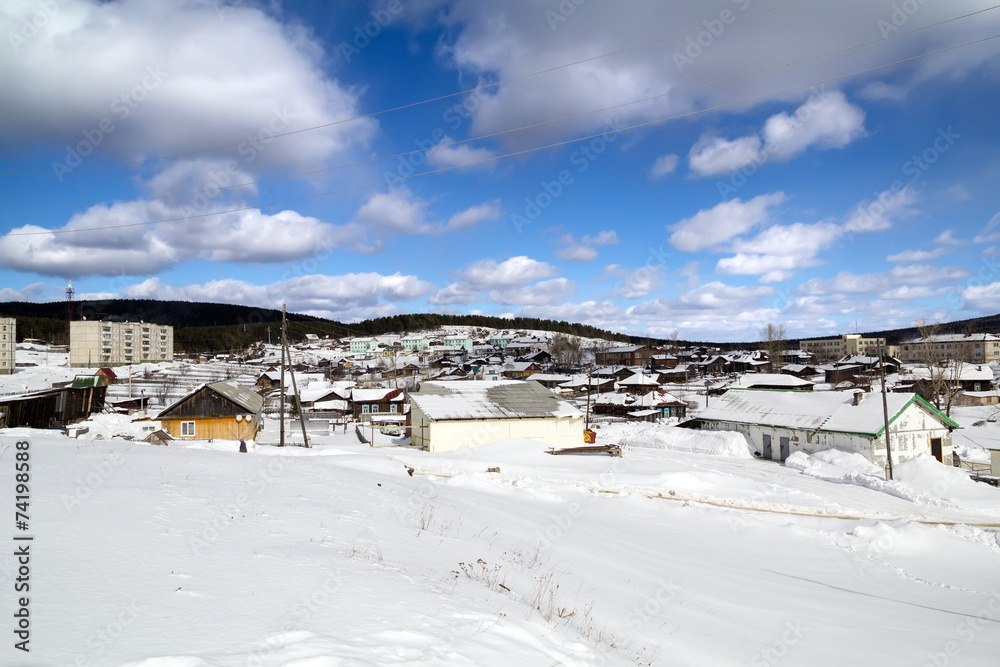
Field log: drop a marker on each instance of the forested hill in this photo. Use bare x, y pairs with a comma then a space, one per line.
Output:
219, 327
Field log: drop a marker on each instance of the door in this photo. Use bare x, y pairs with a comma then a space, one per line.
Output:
783, 443
767, 447
936, 449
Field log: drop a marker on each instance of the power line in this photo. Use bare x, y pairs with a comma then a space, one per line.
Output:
410, 105
513, 153
512, 130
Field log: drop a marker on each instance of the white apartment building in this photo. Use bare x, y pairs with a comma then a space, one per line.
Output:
974, 348
8, 342
93, 343
848, 345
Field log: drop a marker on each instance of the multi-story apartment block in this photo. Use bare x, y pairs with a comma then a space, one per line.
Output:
96, 343
362, 345
848, 345
974, 348
415, 343
8, 343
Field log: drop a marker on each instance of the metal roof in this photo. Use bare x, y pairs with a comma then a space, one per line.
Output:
241, 396
480, 399
813, 410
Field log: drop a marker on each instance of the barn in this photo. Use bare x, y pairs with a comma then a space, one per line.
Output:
221, 410
778, 423
457, 415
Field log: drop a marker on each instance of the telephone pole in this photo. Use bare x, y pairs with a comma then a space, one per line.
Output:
282, 397
885, 413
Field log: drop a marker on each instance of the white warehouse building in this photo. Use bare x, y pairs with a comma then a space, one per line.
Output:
778, 423
457, 415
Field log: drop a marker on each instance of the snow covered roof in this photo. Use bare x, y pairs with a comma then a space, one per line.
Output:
640, 380
813, 410
965, 372
372, 395
771, 380
550, 377
490, 400
954, 338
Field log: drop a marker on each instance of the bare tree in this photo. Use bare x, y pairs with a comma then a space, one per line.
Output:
566, 350
942, 359
772, 337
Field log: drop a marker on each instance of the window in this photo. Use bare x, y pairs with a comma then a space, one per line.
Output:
392, 407
365, 408
187, 429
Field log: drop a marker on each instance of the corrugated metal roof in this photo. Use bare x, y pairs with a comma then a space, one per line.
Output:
489, 400
815, 410
242, 396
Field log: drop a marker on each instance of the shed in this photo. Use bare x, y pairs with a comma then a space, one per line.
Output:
457, 415
778, 423
222, 410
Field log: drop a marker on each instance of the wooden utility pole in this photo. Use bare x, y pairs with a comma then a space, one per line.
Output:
281, 398
885, 413
590, 381
298, 403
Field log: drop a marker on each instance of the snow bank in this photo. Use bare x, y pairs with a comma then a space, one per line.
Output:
922, 479
832, 464
925, 473
717, 443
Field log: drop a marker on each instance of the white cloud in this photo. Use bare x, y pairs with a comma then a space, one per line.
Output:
909, 256
663, 167
542, 293
473, 215
455, 294
716, 295
29, 292
488, 274
711, 228
982, 297
584, 250
824, 121
879, 214
959, 192
398, 211
162, 78
634, 283
712, 156
446, 155
990, 233
499, 41
343, 297
779, 251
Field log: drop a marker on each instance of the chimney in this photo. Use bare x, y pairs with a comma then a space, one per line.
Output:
858, 395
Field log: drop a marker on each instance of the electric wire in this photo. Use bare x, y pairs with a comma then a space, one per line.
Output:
773, 68
513, 153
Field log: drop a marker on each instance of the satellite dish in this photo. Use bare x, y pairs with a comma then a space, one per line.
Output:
239, 418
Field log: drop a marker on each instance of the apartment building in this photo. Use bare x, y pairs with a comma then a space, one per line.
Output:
844, 346
8, 341
975, 348
96, 343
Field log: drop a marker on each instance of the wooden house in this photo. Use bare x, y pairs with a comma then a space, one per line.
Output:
221, 410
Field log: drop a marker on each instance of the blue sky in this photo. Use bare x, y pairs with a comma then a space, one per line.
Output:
646, 167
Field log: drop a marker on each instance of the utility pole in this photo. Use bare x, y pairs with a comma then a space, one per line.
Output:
590, 381
885, 413
298, 402
281, 398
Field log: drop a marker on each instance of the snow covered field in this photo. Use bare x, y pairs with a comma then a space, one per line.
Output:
686, 551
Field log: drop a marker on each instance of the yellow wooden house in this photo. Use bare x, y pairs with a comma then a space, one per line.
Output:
222, 410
